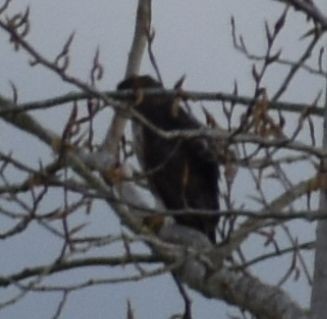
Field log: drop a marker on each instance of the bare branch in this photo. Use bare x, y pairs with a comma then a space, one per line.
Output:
142, 27
113, 96
310, 9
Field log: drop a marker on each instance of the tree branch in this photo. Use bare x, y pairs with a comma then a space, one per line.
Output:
113, 98
310, 9
142, 27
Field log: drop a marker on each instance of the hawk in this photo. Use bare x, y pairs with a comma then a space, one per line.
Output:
181, 171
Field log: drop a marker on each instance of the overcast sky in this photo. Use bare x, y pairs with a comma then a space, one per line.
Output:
192, 37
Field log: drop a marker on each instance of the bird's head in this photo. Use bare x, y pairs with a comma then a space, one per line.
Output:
136, 82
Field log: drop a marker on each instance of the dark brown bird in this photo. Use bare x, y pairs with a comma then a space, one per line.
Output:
182, 172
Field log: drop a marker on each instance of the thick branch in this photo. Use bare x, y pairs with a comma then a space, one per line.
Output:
142, 27
319, 289
202, 271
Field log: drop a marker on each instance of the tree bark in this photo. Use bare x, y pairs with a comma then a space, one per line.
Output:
142, 27
319, 289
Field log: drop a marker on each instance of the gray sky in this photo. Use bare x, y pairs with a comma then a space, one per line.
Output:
193, 38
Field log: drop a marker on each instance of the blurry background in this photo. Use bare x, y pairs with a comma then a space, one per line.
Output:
193, 38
